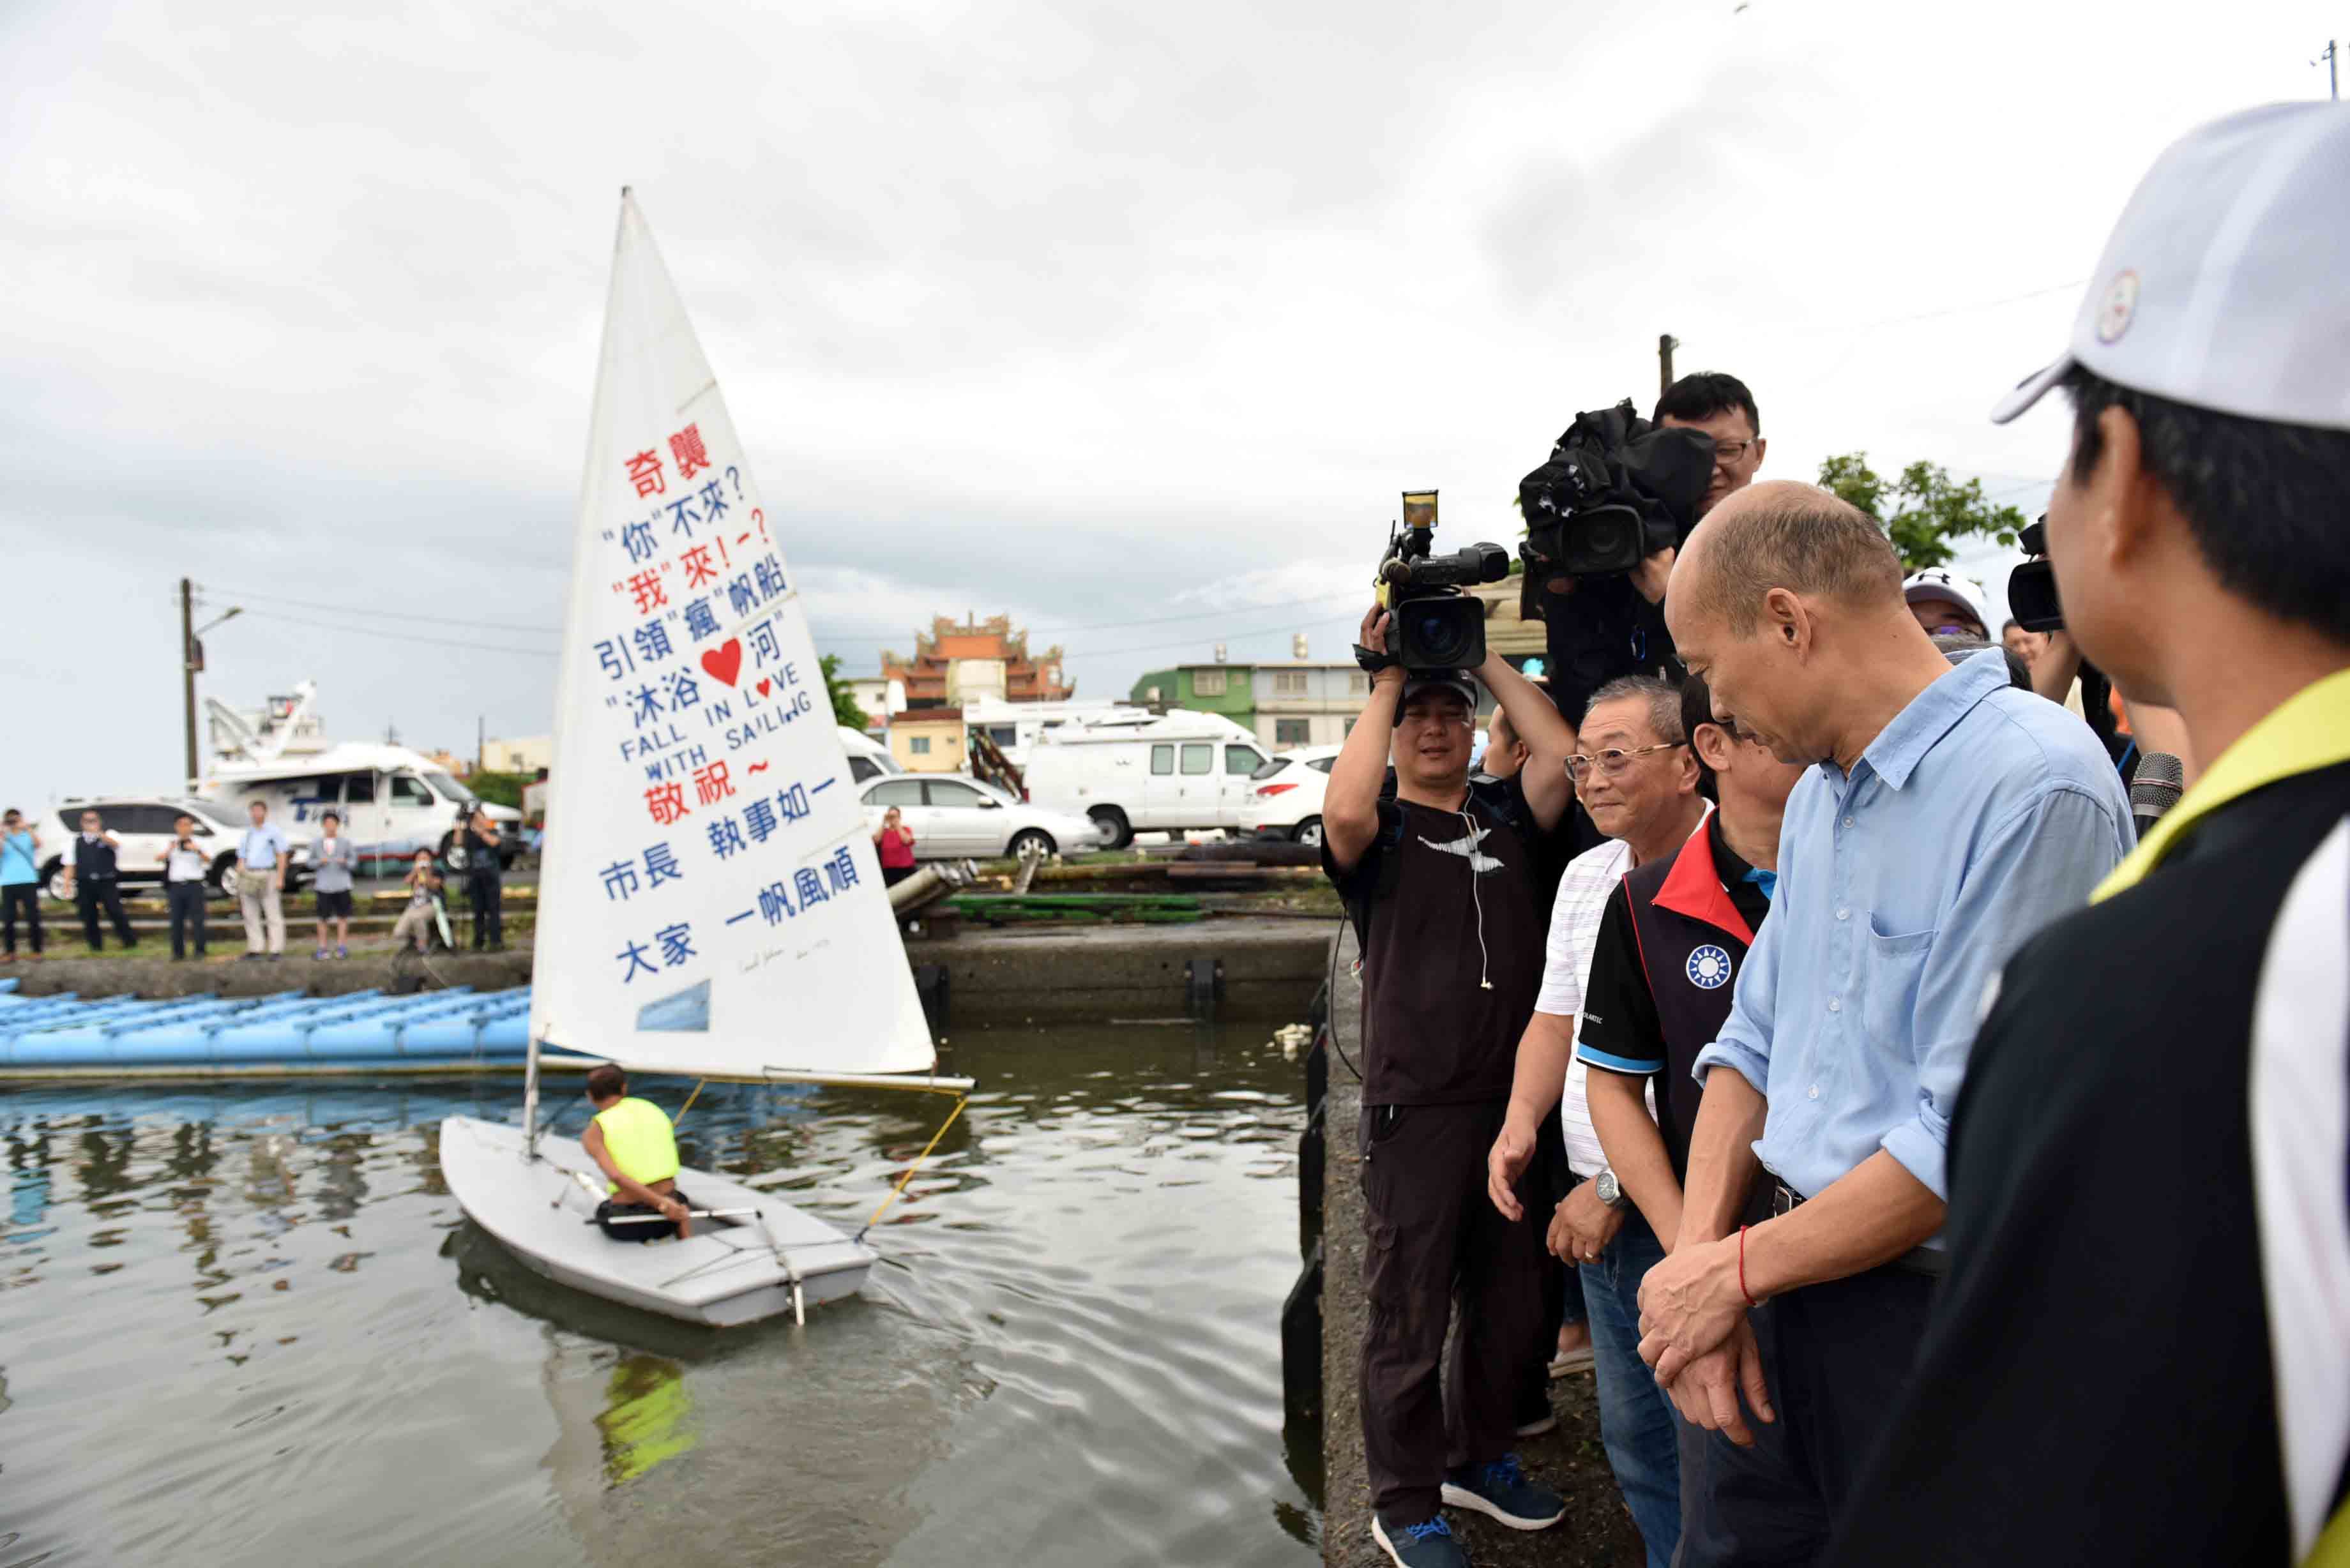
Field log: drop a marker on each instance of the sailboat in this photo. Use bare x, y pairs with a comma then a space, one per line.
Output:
711, 905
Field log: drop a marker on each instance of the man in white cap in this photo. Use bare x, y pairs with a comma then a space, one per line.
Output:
2142, 1351
1945, 603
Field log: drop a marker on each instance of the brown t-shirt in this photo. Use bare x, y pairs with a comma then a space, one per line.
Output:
1446, 903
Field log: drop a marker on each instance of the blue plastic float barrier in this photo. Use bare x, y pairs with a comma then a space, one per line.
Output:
357, 1032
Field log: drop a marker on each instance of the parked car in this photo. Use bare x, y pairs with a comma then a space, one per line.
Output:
956, 818
143, 824
1285, 799
1184, 770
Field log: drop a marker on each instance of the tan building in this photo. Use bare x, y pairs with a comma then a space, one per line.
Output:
527, 754
956, 661
929, 740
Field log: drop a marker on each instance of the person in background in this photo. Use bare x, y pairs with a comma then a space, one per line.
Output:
2028, 646
1437, 881
92, 881
533, 803
1943, 816
1640, 781
1945, 603
1670, 945
484, 891
333, 858
185, 871
261, 857
20, 882
417, 921
634, 1143
1566, 1337
894, 842
2142, 1353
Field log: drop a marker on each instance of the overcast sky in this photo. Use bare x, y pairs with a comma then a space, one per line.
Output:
1103, 315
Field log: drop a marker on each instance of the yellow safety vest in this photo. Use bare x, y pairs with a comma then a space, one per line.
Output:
637, 1136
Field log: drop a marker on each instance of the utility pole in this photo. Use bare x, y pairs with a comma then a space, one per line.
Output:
481, 746
188, 657
2333, 70
1666, 344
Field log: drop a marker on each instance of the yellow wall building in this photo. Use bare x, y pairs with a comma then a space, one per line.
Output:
927, 740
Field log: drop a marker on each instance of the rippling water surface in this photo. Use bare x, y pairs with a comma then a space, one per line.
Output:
245, 1323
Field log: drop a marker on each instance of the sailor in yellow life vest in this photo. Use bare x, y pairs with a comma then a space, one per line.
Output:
632, 1141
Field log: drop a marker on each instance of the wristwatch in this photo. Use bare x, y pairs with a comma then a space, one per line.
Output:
1609, 1190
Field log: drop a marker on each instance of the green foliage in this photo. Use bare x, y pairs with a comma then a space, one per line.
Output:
1928, 510
845, 710
499, 789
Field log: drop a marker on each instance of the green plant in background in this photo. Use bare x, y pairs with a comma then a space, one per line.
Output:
845, 710
1930, 509
498, 789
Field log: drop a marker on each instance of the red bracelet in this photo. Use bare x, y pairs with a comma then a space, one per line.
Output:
1742, 1269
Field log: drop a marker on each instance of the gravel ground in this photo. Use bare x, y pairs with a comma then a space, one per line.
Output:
1597, 1530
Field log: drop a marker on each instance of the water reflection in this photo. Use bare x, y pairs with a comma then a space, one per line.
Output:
256, 1292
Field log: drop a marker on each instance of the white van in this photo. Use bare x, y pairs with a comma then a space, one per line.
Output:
1184, 770
867, 758
392, 802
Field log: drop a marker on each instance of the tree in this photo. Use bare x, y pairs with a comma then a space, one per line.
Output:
1930, 510
845, 710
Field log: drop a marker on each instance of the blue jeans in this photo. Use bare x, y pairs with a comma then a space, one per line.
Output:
1635, 1418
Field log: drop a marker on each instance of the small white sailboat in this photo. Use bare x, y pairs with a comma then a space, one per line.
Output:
711, 904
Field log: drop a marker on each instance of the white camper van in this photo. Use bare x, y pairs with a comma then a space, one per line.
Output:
392, 801
1184, 770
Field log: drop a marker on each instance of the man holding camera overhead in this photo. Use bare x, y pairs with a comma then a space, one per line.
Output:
1607, 515
1439, 881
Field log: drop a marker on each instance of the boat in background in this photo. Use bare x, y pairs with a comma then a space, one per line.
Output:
710, 904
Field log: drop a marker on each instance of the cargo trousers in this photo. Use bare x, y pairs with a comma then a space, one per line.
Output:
1436, 1247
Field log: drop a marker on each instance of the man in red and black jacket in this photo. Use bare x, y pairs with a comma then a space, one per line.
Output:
1673, 938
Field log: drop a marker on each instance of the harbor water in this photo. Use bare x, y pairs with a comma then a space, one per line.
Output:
245, 1323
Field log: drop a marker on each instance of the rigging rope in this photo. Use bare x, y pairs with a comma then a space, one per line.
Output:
961, 1100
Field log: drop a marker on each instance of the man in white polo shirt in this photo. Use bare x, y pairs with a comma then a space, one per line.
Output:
1636, 777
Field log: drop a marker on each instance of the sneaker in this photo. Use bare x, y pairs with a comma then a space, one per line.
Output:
248, 957
1500, 1489
1571, 1361
1428, 1545
275, 958
317, 956
341, 951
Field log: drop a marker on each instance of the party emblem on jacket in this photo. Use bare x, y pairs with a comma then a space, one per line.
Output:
1709, 967
1466, 848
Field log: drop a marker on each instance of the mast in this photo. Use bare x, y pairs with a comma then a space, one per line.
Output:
530, 1100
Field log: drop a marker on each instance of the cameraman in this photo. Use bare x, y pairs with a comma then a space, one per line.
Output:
1440, 882
1598, 628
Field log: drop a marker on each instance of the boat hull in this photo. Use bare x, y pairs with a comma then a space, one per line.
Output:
725, 1274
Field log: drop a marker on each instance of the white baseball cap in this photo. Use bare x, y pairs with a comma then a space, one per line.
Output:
2222, 284
1937, 583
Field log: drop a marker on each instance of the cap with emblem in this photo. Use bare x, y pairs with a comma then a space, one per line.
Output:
2221, 285
1937, 583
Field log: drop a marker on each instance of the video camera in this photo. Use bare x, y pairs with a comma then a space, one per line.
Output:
1433, 623
2031, 587
1615, 491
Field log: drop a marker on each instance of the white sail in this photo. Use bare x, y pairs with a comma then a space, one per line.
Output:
711, 901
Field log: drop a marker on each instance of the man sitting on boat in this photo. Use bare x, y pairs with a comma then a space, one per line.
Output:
632, 1140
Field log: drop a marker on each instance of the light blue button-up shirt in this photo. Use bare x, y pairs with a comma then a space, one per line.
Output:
262, 848
1978, 815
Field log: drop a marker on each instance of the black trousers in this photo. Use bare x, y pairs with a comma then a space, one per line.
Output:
92, 895
484, 892
1835, 1356
187, 901
1549, 1178
1435, 1245
27, 897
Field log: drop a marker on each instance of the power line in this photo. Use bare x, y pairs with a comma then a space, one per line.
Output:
411, 639
478, 625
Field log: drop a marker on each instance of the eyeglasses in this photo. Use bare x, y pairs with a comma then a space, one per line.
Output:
1612, 761
1728, 452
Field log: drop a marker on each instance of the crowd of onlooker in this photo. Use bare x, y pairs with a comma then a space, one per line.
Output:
1910, 1069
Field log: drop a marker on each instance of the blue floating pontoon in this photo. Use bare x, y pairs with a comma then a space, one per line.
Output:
458, 1030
